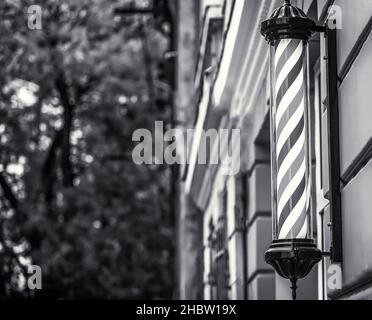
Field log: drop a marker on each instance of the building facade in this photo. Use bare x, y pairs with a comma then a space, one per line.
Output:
224, 221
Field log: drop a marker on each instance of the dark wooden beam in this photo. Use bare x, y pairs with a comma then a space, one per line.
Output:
334, 146
133, 11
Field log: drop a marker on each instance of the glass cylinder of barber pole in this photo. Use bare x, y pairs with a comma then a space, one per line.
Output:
290, 136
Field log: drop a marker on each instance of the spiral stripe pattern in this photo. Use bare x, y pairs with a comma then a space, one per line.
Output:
293, 192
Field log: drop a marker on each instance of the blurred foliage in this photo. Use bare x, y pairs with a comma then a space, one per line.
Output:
72, 201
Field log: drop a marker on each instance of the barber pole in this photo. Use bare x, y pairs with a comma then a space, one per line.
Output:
291, 158
293, 252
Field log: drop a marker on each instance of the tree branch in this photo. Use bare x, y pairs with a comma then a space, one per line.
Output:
62, 88
117, 158
49, 167
8, 192
148, 64
133, 11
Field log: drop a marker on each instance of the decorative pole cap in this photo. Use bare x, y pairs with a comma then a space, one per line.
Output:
288, 22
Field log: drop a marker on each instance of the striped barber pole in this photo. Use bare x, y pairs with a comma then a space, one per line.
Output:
293, 188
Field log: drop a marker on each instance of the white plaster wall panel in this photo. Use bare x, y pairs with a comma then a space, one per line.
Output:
357, 222
356, 107
355, 16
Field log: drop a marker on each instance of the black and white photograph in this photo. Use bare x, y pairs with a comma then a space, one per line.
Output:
187, 156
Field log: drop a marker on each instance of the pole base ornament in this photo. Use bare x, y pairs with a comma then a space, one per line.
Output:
293, 259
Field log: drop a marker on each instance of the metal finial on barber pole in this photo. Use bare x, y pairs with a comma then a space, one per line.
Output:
293, 252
